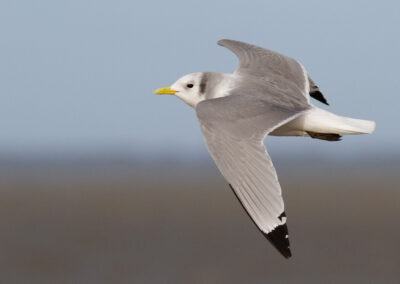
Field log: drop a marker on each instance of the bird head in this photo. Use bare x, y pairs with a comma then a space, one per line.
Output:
190, 88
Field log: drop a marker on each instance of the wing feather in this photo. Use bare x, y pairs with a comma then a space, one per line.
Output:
234, 128
273, 66
268, 64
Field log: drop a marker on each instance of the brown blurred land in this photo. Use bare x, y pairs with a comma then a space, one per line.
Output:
178, 224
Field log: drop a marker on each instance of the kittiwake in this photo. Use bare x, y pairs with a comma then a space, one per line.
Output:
268, 94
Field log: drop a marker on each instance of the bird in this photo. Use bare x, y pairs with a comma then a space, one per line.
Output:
268, 94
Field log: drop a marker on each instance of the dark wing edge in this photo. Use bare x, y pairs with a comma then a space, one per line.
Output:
278, 237
316, 93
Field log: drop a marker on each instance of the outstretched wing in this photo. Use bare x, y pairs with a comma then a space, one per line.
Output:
270, 65
234, 128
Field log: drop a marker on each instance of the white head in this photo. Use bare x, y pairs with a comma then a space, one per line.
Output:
193, 88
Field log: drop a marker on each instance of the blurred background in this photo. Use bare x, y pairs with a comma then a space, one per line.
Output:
101, 182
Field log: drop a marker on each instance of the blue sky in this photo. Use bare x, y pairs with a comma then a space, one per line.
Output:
78, 75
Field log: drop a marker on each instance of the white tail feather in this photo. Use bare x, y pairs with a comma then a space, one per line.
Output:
321, 121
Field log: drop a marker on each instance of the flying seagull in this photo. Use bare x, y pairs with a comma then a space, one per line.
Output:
268, 94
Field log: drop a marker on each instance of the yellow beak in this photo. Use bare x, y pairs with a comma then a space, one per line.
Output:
165, 91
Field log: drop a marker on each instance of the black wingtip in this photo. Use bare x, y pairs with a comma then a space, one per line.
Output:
319, 96
279, 237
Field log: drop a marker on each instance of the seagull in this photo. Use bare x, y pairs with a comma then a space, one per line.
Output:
268, 94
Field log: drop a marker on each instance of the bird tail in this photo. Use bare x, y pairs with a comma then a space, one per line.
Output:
321, 121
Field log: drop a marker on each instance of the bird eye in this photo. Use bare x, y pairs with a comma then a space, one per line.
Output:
189, 85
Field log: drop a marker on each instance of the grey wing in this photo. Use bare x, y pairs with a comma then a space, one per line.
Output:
234, 128
270, 65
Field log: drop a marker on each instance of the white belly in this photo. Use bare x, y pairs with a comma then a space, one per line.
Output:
292, 128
